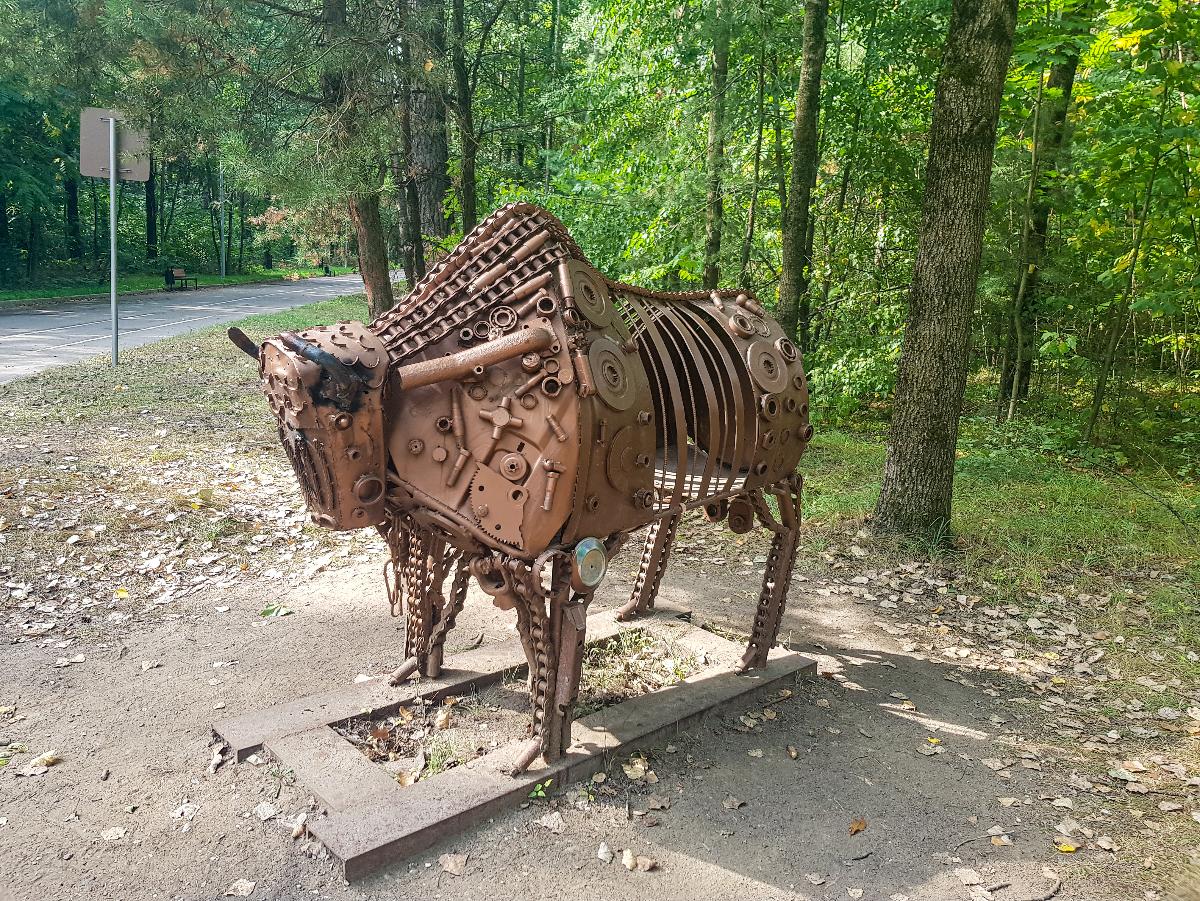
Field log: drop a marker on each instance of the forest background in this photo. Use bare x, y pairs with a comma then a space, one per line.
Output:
686, 145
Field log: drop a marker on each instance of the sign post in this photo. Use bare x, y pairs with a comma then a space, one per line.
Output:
118, 153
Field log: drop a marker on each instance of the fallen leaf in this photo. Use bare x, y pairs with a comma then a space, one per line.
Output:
792, 752
1104, 843
1065, 847
442, 719
298, 826
857, 825
645, 864
628, 860
732, 803
554, 822
265, 811
755, 752
113, 834
604, 853
815, 878
658, 802
454, 864
599, 777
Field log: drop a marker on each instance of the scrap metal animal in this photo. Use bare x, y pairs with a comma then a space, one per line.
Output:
517, 416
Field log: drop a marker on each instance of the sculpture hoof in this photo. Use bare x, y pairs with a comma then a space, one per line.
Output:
402, 672
527, 756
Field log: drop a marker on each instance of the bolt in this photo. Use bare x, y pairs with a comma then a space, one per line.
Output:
416, 446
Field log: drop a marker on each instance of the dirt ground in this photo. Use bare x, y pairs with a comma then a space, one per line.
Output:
891, 738
157, 574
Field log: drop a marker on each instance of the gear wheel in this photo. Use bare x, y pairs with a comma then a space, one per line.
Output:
497, 506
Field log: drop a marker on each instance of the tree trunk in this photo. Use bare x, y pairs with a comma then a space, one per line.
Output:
1117, 322
714, 162
748, 238
372, 253
151, 215
74, 244
780, 167
242, 228
521, 61
552, 66
1049, 126
797, 257
466, 124
918, 475
428, 115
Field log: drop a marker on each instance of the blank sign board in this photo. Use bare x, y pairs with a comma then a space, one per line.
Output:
133, 157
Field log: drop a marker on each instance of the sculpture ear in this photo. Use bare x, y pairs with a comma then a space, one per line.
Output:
243, 341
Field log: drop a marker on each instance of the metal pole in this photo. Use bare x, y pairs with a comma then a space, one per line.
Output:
221, 210
112, 230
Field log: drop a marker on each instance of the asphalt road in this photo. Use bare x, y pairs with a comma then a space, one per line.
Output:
33, 338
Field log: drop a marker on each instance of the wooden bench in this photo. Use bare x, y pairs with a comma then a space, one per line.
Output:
178, 278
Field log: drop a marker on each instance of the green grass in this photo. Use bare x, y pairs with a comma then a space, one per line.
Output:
151, 281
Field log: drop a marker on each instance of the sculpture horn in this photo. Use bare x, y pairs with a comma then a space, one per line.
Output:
243, 341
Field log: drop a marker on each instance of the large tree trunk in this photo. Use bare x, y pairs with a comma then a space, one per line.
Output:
1049, 126
714, 162
918, 476
372, 253
151, 215
428, 112
797, 262
74, 244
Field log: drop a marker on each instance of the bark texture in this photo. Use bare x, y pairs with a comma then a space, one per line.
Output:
428, 114
918, 476
797, 248
372, 253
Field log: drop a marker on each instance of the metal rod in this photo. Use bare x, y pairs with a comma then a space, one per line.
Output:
112, 230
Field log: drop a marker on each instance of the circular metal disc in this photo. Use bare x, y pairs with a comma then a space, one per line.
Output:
621, 463
591, 297
589, 563
611, 374
767, 367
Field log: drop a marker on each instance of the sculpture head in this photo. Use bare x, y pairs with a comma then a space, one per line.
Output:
325, 386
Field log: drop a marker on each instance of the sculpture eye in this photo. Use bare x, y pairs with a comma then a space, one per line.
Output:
343, 421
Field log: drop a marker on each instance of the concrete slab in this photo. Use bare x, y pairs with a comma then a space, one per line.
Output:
335, 771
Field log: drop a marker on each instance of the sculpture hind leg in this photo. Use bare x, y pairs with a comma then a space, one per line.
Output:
657, 551
778, 572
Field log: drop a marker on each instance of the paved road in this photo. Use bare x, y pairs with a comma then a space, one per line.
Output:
33, 338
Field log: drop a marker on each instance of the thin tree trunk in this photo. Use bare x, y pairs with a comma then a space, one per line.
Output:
372, 253
797, 257
242, 228
521, 62
151, 215
748, 239
555, 12
1049, 129
714, 162
1120, 314
428, 115
95, 222
74, 245
466, 124
918, 475
412, 197
781, 174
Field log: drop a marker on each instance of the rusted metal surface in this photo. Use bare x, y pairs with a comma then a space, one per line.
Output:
517, 416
